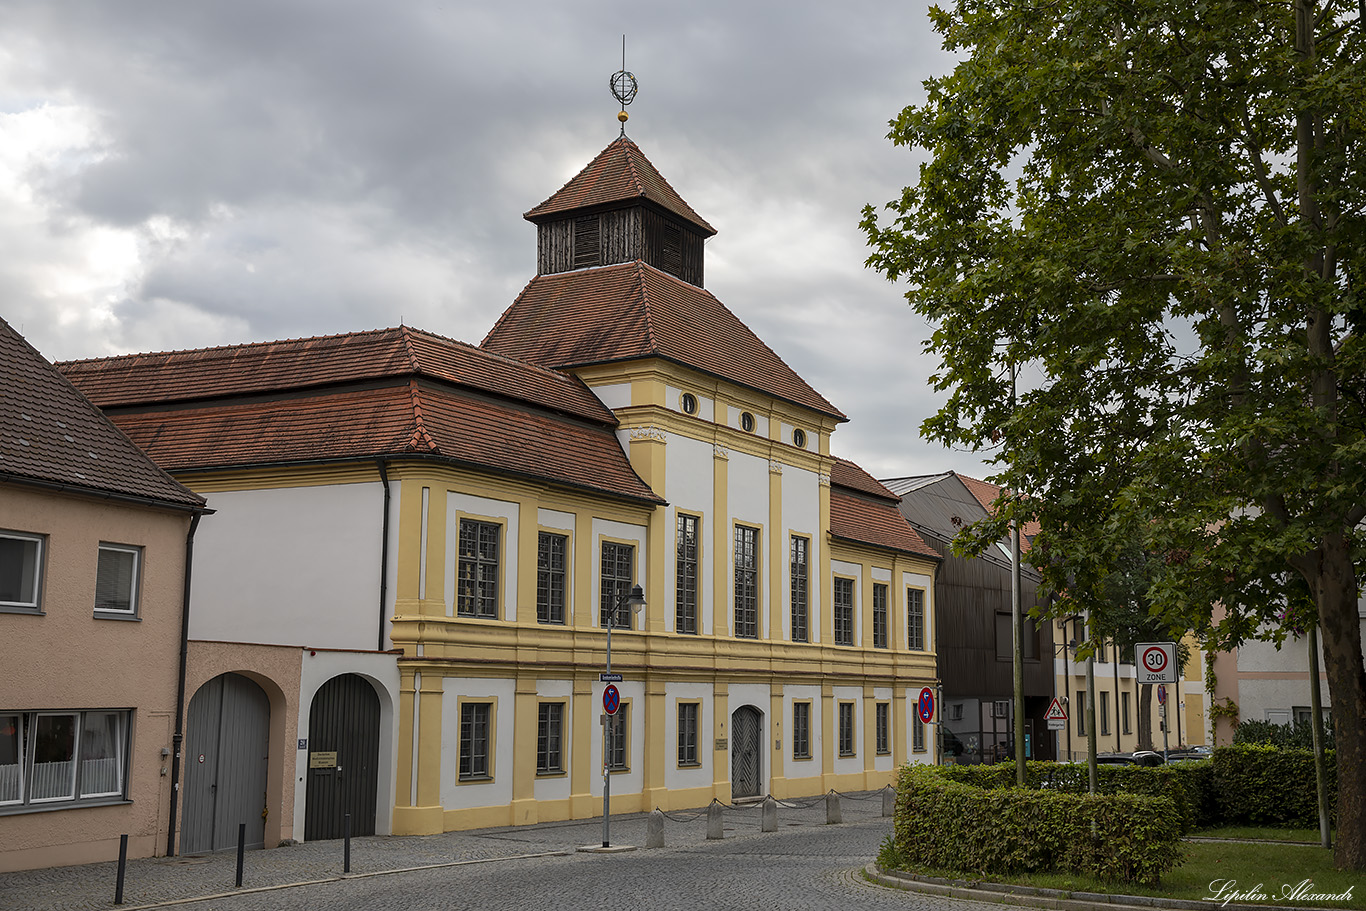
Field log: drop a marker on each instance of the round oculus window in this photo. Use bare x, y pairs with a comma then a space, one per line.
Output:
746, 422
799, 438
689, 403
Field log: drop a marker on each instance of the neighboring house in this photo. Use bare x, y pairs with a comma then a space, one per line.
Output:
1119, 697
975, 643
94, 545
484, 511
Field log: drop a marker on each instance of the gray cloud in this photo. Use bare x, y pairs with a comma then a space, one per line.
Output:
252, 170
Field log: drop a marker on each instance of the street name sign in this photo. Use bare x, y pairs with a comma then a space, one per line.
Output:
604, 677
1156, 662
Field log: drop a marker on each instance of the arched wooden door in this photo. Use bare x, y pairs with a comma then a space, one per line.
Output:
343, 759
227, 750
746, 752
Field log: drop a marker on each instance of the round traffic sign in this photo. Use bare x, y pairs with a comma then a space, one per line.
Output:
1155, 659
925, 707
1162, 694
611, 699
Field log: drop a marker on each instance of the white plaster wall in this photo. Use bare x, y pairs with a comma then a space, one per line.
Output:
1256, 698
802, 516
812, 436
381, 671
457, 795
614, 395
1291, 657
802, 768
618, 531
706, 406
848, 764
689, 482
760, 420
483, 507
556, 787
632, 780
294, 566
700, 776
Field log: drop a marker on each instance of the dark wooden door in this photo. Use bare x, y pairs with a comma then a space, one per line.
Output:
343, 750
746, 753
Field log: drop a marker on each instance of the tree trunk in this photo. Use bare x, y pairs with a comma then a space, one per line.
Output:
1145, 717
1335, 591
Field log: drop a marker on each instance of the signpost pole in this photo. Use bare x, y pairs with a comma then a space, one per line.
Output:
636, 600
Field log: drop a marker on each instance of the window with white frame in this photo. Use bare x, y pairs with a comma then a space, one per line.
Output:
550, 565
746, 582
475, 748
915, 619
476, 593
116, 579
800, 593
62, 757
843, 612
21, 570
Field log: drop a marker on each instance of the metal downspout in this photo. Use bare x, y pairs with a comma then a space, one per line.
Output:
178, 738
383, 552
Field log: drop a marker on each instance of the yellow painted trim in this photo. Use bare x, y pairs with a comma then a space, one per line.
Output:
430, 696
899, 709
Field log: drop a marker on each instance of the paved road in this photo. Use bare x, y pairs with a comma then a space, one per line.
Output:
805, 864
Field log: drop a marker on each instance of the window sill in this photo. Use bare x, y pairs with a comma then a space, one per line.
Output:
475, 779
117, 615
883, 753
621, 771
19, 609
58, 805
551, 773
801, 758
690, 765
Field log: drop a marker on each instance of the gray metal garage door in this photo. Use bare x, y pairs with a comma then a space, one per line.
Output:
227, 747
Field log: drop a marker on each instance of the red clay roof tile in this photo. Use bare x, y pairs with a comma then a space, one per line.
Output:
632, 310
51, 434
264, 367
620, 173
857, 518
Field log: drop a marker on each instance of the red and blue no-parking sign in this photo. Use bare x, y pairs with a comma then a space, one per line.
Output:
926, 705
611, 699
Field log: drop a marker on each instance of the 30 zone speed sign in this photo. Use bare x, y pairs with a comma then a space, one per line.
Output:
1156, 662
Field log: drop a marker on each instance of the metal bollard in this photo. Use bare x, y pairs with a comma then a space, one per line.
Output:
123, 864
889, 801
770, 815
715, 827
832, 808
654, 829
346, 849
241, 850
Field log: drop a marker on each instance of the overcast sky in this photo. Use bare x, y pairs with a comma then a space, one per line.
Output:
180, 175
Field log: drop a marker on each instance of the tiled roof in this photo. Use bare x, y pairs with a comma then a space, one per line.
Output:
632, 310
52, 435
864, 511
620, 173
401, 419
986, 494
294, 364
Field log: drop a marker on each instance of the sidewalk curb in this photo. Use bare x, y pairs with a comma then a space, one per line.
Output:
340, 877
1034, 897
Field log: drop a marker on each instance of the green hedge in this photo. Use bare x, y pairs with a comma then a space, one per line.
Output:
1189, 785
1262, 785
951, 825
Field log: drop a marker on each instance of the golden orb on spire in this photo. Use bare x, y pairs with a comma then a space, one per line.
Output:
623, 116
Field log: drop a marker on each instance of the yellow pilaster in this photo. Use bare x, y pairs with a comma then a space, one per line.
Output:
868, 753
778, 779
900, 717
863, 606
720, 756
720, 554
425, 817
434, 596
583, 601
777, 552
829, 745
524, 808
581, 767
658, 740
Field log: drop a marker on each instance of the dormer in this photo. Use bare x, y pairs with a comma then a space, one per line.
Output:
619, 209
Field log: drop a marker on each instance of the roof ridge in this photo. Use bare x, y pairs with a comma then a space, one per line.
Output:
645, 304
237, 346
419, 440
631, 164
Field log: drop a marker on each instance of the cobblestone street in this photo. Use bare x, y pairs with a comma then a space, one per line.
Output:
805, 864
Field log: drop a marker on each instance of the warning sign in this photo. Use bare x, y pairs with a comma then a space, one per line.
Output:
1056, 715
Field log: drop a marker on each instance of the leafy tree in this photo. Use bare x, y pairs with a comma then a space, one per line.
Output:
1153, 214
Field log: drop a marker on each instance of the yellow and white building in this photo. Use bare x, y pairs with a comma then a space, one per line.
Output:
449, 529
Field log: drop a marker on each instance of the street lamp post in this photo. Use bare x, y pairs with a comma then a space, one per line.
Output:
636, 599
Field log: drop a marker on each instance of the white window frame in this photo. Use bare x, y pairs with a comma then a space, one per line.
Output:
134, 583
40, 550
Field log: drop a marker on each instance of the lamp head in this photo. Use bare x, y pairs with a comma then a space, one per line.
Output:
636, 599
